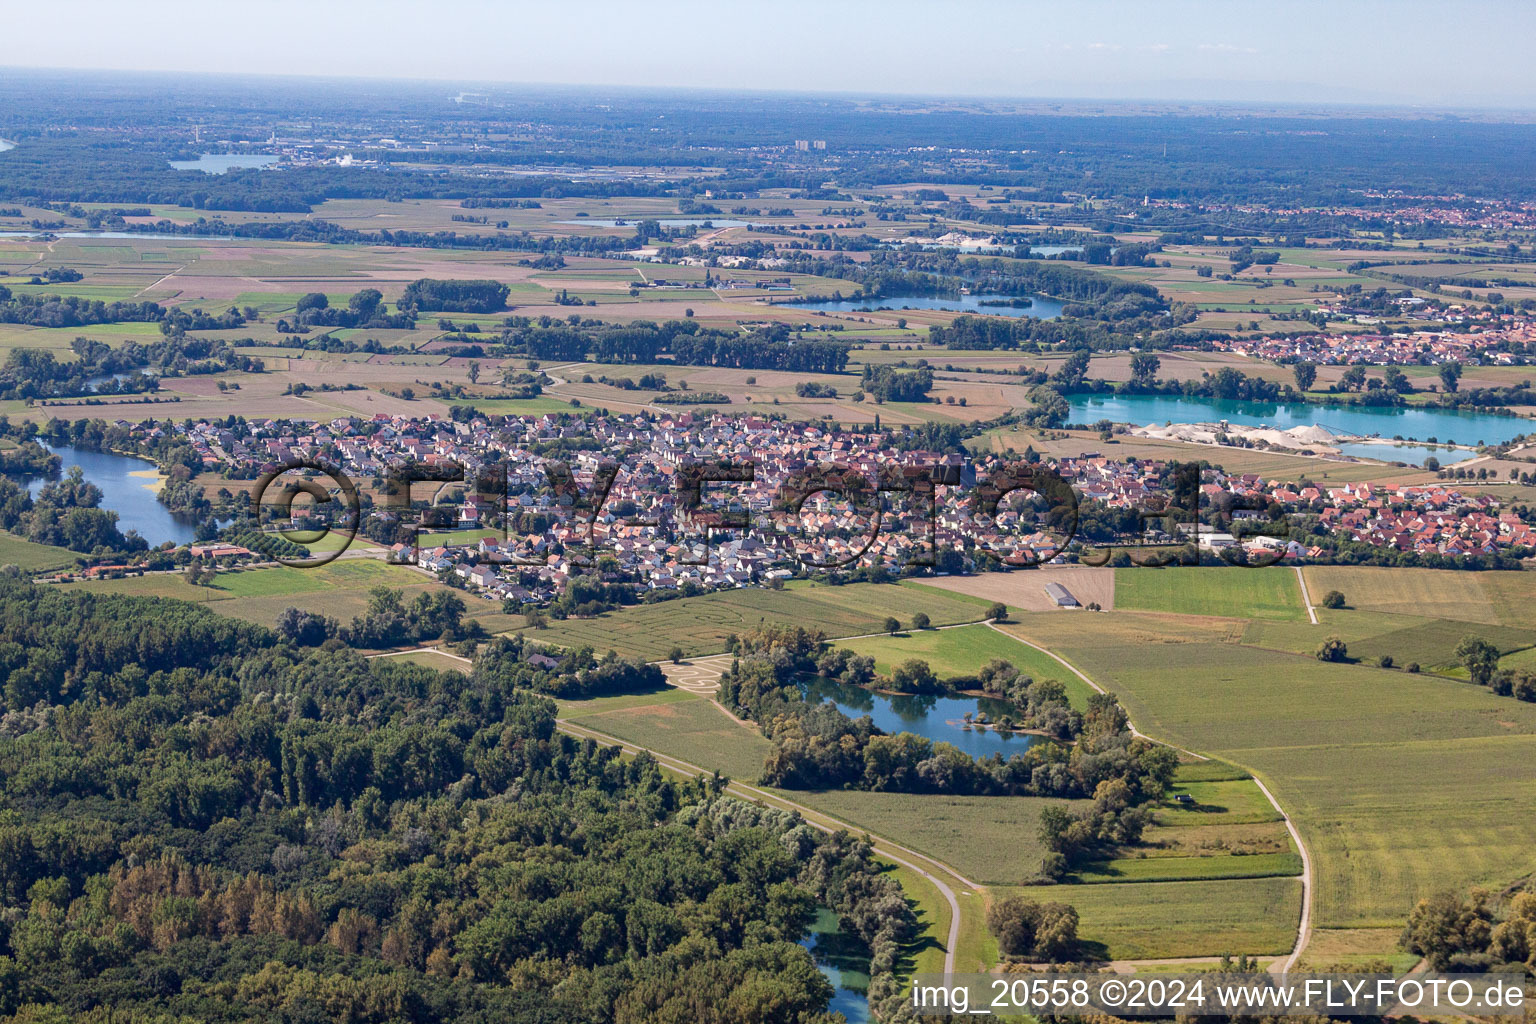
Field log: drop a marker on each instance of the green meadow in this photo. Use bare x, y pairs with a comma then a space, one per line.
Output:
1235, 592
962, 652
1401, 784
699, 625
1155, 920
30, 557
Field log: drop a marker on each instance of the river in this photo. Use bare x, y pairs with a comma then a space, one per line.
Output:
844, 962
128, 487
1041, 308
1427, 426
941, 719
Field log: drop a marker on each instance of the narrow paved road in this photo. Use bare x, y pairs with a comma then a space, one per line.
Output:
701, 676
1306, 598
825, 822
1304, 927
818, 819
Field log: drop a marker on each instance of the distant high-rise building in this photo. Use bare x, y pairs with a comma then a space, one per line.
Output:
802, 144
819, 144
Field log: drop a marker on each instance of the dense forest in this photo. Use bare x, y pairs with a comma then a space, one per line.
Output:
205, 822
684, 341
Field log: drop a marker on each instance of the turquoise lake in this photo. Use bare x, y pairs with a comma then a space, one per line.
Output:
1441, 426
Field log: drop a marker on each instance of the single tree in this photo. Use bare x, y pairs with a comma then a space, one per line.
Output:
1333, 649
914, 676
1306, 376
920, 620
1333, 599
892, 624
998, 612
1479, 657
1034, 931
1450, 375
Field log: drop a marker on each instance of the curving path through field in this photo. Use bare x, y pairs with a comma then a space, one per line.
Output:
1304, 927
704, 678
701, 676
818, 819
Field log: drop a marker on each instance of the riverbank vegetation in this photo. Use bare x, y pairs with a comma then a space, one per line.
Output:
294, 832
816, 746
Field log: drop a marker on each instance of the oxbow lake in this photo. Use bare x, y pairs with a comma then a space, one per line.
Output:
1411, 423
844, 962
223, 163
941, 719
1041, 308
128, 487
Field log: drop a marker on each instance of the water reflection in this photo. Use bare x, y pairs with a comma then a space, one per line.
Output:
844, 960
938, 718
129, 487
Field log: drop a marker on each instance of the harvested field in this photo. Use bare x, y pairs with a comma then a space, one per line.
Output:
1024, 589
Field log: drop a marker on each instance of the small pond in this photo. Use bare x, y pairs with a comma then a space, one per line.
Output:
940, 719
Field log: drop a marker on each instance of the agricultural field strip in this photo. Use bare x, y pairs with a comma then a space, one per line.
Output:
421, 650
1303, 930
1281, 964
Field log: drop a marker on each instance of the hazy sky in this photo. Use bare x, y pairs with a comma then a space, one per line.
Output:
1473, 53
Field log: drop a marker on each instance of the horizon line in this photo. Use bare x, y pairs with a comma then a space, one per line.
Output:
1280, 105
